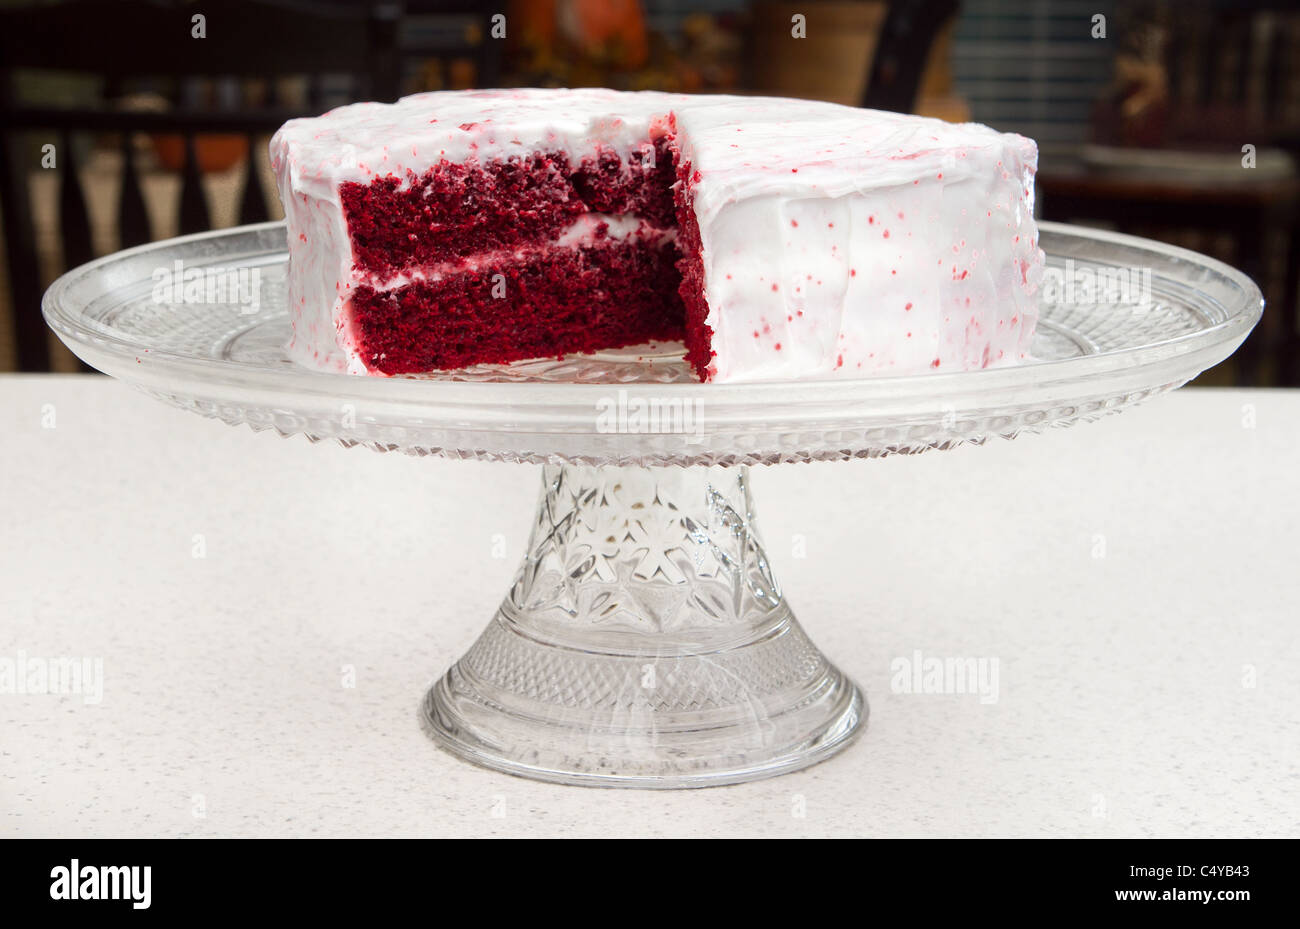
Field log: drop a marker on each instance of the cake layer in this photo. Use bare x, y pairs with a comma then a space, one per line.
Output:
552, 302
462, 208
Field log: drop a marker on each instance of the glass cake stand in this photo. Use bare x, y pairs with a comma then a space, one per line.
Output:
645, 641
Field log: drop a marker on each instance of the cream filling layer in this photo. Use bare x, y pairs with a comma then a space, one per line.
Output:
584, 232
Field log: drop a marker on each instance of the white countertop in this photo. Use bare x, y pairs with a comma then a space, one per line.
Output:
1136, 579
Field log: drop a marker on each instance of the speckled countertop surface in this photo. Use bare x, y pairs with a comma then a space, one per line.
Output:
1136, 579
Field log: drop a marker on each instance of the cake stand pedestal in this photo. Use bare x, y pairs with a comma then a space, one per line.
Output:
645, 641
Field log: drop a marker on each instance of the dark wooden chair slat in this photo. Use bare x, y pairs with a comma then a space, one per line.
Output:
132, 216
909, 31
252, 202
74, 220
194, 200
31, 337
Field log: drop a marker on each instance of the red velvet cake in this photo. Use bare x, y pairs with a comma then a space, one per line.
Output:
777, 239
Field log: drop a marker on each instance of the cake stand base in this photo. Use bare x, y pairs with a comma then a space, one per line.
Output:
644, 643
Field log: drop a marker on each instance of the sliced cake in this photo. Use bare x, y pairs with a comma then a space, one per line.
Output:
778, 239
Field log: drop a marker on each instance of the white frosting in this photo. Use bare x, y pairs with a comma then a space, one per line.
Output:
583, 230
859, 242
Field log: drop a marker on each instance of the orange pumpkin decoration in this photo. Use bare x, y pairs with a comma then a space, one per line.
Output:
216, 152
531, 20
607, 25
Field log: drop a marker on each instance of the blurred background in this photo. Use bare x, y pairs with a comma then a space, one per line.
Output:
121, 124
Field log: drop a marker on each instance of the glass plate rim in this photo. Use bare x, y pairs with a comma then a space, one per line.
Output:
1238, 321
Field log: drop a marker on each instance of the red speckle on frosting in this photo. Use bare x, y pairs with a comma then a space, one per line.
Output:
935, 363
908, 307
853, 272
794, 223
886, 235
778, 346
774, 287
